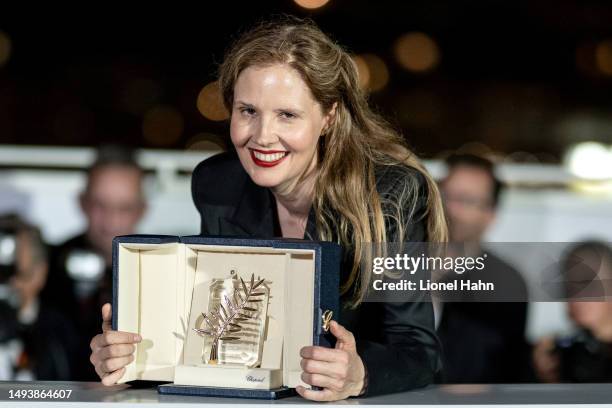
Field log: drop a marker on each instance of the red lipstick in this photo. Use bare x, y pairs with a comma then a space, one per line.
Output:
263, 162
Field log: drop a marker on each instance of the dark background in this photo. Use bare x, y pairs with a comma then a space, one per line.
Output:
516, 77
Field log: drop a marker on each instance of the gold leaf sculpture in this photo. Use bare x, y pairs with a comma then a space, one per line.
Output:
226, 321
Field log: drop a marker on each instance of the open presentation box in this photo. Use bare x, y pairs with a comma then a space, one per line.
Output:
161, 285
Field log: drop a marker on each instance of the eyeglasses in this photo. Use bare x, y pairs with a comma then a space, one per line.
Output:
467, 201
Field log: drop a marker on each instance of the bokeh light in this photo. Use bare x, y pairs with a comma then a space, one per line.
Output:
595, 58
363, 72
311, 4
5, 48
210, 103
603, 57
372, 70
417, 52
590, 160
162, 126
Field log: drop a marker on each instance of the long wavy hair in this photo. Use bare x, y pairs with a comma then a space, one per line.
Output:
347, 205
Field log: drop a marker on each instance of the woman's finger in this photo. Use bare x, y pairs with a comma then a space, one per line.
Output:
113, 364
335, 370
112, 378
322, 395
116, 337
344, 338
323, 381
99, 371
107, 316
324, 354
116, 350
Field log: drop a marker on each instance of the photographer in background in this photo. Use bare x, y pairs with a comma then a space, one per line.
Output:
585, 356
482, 342
35, 341
80, 281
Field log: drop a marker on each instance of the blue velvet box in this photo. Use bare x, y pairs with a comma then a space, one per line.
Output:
158, 282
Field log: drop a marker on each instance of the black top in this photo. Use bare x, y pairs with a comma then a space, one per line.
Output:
396, 341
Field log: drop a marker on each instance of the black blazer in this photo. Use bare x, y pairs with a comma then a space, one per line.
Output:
396, 341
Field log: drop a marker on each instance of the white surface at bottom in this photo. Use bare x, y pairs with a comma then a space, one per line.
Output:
508, 395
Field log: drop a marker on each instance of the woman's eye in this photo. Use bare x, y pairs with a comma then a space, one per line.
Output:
287, 115
247, 111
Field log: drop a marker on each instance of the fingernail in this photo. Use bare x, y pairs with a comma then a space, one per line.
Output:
137, 338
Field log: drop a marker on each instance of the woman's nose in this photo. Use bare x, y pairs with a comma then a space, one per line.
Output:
265, 134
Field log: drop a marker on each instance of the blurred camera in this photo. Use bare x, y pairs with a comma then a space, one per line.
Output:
584, 358
8, 297
8, 255
86, 269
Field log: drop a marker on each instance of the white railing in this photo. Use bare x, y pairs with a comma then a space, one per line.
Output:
166, 162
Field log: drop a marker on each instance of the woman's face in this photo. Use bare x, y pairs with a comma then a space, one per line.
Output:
275, 125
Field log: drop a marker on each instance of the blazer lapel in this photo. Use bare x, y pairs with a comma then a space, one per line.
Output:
254, 215
310, 232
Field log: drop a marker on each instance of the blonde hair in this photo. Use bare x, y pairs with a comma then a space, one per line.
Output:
347, 205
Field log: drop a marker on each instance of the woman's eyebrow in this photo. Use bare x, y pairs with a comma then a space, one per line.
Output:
296, 111
248, 105
292, 110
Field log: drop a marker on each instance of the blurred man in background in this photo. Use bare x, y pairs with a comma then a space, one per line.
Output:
482, 342
586, 355
81, 276
35, 340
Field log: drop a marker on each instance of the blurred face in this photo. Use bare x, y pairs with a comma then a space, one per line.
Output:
31, 273
589, 315
467, 198
588, 279
113, 205
275, 126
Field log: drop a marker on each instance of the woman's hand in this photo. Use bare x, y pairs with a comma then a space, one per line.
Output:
546, 361
112, 350
339, 371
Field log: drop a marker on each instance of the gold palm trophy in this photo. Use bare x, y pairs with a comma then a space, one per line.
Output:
235, 322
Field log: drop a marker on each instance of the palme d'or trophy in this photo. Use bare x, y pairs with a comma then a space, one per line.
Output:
235, 321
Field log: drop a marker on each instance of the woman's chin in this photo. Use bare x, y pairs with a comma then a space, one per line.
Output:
265, 179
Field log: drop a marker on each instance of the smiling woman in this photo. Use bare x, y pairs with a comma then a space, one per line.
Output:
313, 161
276, 125
275, 121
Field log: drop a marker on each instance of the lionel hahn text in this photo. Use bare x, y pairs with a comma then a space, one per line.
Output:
454, 285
